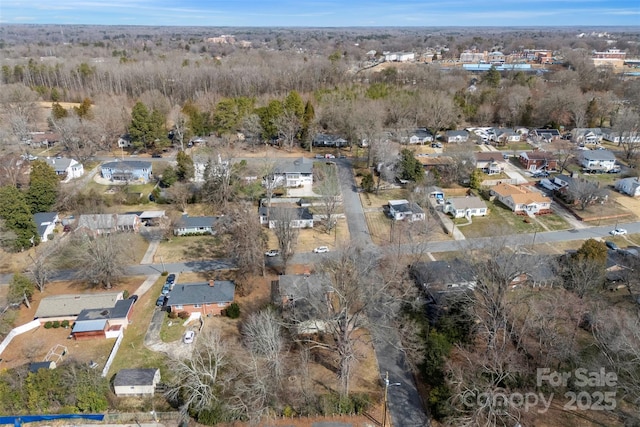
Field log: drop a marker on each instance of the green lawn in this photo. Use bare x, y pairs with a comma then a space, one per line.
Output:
172, 329
500, 221
186, 248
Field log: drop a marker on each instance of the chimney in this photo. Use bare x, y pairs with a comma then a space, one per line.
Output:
211, 283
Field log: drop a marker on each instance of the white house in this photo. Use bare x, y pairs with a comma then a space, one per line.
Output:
136, 382
419, 136
598, 160
46, 223
399, 56
298, 217
124, 141
461, 207
613, 136
291, 173
403, 209
456, 136
629, 186
65, 166
588, 136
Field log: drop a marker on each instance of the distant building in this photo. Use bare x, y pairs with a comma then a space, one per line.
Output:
399, 56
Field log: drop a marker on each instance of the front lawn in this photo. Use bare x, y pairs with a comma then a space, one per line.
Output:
500, 221
189, 248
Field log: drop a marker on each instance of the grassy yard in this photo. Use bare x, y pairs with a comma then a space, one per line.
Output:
376, 200
189, 248
500, 221
379, 227
553, 222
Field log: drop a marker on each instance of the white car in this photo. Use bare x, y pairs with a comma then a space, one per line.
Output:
272, 253
188, 337
321, 249
618, 232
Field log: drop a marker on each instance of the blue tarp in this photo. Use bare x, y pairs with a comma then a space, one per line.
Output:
18, 420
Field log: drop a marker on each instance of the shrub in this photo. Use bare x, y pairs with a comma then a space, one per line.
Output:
288, 412
183, 315
48, 325
233, 311
56, 324
173, 315
164, 273
64, 323
125, 294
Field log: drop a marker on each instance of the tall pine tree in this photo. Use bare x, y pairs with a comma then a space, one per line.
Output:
18, 218
43, 187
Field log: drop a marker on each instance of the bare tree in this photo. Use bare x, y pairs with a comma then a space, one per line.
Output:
626, 124
586, 193
329, 189
180, 127
80, 137
288, 125
263, 336
246, 239
41, 266
286, 231
437, 111
18, 106
13, 170
198, 381
180, 193
253, 130
104, 258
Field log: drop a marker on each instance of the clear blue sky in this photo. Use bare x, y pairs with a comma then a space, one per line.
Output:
324, 13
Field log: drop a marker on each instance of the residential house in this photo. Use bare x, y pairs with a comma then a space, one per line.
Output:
326, 140
127, 171
195, 225
506, 136
522, 200
46, 223
490, 162
598, 161
136, 382
300, 217
124, 141
435, 163
69, 306
103, 322
538, 160
418, 136
402, 209
587, 136
46, 139
291, 173
97, 224
399, 56
629, 186
63, 166
435, 276
465, 207
208, 299
627, 137
456, 136
546, 135
303, 296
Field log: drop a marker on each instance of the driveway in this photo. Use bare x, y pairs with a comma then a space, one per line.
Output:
352, 207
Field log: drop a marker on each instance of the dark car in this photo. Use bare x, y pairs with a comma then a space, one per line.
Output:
611, 245
156, 155
171, 279
160, 301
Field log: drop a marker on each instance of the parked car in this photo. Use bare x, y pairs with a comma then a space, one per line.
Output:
611, 245
272, 253
436, 145
321, 249
342, 156
160, 301
166, 288
188, 337
156, 155
171, 279
329, 156
319, 156
618, 232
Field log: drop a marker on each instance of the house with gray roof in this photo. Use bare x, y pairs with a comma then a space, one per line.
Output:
97, 224
290, 173
588, 136
192, 225
69, 168
465, 207
127, 171
46, 223
456, 136
326, 140
418, 136
209, 298
400, 210
69, 306
136, 382
598, 160
103, 322
629, 186
299, 217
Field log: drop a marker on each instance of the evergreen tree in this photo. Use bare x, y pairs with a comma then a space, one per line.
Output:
18, 218
410, 168
158, 130
169, 177
492, 78
307, 120
140, 127
268, 116
84, 109
475, 179
225, 117
199, 122
293, 103
21, 290
184, 168
367, 183
43, 187
58, 112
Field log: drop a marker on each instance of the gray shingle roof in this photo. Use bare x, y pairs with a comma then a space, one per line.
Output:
187, 221
72, 305
127, 165
300, 165
135, 377
222, 291
301, 213
598, 155
43, 219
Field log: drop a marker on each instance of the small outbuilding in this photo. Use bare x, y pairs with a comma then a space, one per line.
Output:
136, 382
